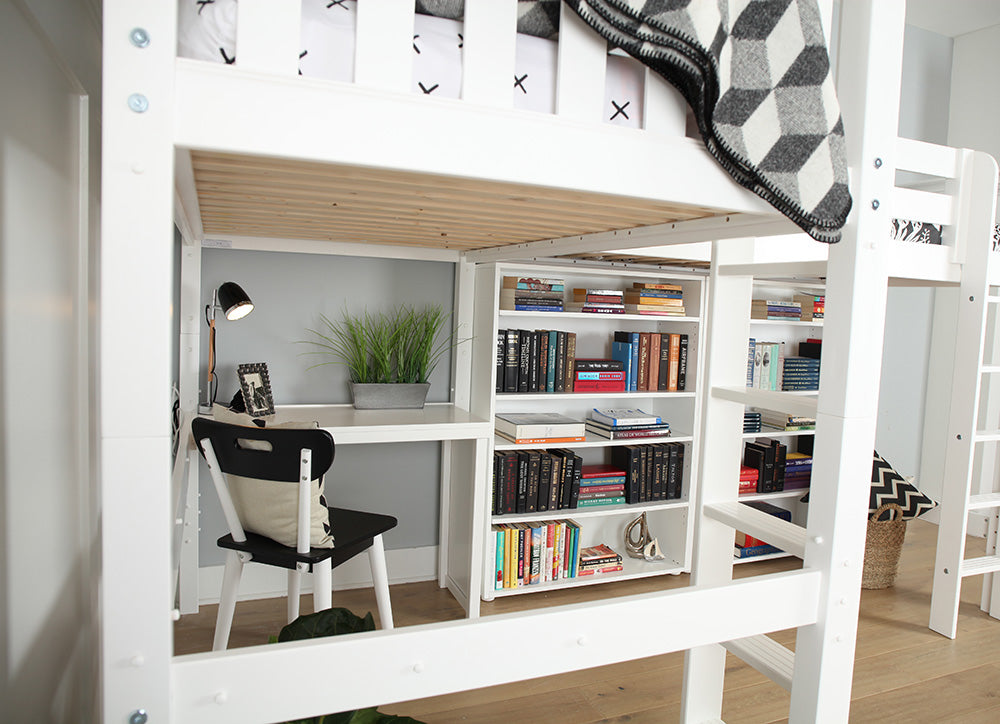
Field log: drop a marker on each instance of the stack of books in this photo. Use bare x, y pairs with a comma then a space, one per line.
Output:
600, 558
751, 421
775, 309
767, 360
597, 301
530, 481
599, 375
655, 299
652, 360
812, 305
539, 428
747, 546
540, 360
784, 421
768, 458
532, 294
654, 472
619, 424
798, 470
601, 485
532, 553
748, 479
800, 373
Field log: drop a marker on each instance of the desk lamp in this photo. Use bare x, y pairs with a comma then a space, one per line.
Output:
230, 298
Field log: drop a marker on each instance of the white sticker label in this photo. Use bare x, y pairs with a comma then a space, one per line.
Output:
217, 243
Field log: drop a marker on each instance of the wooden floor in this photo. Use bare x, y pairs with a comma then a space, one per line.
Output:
904, 672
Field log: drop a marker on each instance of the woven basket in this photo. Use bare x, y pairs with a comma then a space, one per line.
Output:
882, 547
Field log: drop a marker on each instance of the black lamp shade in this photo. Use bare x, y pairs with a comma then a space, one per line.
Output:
234, 301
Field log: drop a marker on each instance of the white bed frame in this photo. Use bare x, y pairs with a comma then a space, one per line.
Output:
263, 112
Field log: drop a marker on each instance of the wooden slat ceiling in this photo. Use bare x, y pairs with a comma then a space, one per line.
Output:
254, 196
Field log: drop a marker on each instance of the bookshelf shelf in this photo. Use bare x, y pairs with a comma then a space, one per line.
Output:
505, 313
787, 322
766, 431
765, 557
668, 520
582, 513
631, 568
780, 495
544, 397
501, 443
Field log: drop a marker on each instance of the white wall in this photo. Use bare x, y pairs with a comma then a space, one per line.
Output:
49, 63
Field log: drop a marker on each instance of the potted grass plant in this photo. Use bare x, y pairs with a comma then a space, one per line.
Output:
389, 355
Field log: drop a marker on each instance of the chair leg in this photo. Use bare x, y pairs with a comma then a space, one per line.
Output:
322, 585
227, 600
376, 557
294, 589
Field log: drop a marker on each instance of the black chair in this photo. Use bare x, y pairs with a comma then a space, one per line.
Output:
287, 456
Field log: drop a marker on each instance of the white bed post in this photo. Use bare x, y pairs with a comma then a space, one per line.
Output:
139, 42
868, 80
718, 473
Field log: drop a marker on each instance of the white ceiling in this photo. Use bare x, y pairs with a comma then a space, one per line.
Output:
952, 17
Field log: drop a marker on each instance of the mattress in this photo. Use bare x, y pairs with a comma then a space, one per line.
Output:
207, 31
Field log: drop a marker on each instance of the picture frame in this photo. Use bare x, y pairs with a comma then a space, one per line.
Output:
256, 388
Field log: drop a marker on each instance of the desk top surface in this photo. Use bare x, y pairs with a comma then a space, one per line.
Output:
435, 421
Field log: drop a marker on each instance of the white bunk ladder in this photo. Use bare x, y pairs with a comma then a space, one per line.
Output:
975, 371
819, 672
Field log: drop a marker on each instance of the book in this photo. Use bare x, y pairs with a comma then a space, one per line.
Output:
524, 366
599, 554
674, 357
570, 361
537, 425
652, 381
642, 380
632, 339
761, 457
532, 283
512, 361
622, 351
664, 286
655, 310
610, 381
752, 551
624, 432
550, 362
617, 416
559, 382
590, 364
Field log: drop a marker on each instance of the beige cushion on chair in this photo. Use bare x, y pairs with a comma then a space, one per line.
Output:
269, 507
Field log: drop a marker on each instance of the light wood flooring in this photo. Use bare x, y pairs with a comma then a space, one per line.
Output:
904, 672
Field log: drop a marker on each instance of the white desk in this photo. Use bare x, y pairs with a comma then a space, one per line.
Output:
463, 476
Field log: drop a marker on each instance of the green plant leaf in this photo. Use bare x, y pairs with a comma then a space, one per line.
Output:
330, 622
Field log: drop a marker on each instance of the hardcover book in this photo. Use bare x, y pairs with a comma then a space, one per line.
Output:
538, 425
617, 416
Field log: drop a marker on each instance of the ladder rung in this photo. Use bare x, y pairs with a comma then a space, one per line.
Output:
769, 400
986, 436
780, 533
978, 566
766, 655
993, 299
984, 500
990, 369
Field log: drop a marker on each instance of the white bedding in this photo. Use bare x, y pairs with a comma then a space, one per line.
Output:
207, 31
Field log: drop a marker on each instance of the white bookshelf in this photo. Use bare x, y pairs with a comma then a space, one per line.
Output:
669, 520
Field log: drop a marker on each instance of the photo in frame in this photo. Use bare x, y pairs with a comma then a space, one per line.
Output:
256, 388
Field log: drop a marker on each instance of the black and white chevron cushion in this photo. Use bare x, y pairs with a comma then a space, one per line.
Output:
888, 486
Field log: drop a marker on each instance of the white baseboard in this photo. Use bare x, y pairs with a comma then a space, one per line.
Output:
405, 565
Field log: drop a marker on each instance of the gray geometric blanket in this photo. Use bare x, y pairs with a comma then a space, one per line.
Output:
758, 80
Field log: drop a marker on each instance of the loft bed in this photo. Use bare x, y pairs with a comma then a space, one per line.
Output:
253, 153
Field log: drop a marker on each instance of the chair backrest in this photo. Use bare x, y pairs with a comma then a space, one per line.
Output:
277, 459
275, 455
